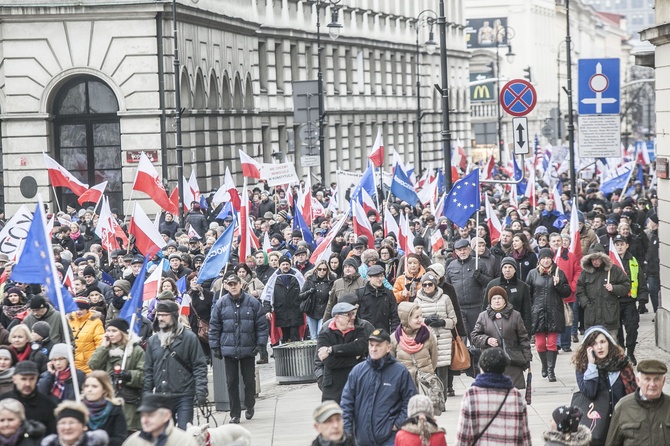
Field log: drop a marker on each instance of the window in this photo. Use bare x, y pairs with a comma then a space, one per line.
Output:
295, 63
279, 66
336, 70
349, 64
263, 66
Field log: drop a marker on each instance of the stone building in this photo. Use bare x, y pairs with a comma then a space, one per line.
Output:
91, 83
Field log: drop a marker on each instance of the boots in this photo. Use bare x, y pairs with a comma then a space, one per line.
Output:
631, 355
543, 360
551, 363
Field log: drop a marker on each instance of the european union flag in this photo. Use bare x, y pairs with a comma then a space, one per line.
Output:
367, 182
36, 264
134, 303
181, 285
518, 173
106, 278
619, 182
402, 187
463, 199
300, 224
218, 255
226, 211
203, 202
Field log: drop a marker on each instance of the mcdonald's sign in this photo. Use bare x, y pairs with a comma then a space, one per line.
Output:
482, 92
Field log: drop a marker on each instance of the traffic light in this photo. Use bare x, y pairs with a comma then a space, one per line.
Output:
528, 76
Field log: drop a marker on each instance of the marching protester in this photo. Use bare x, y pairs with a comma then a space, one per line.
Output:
315, 293
104, 410
420, 428
16, 430
57, 380
72, 423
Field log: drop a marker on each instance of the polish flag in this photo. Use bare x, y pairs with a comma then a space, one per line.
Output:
317, 208
174, 198
60, 177
93, 194
406, 237
245, 246
489, 168
105, 229
530, 189
185, 307
459, 159
69, 279
614, 256
189, 195
153, 282
575, 236
305, 201
361, 223
267, 246
227, 192
558, 202
390, 225
436, 241
324, 250
250, 167
147, 238
148, 181
368, 204
193, 186
493, 223
377, 153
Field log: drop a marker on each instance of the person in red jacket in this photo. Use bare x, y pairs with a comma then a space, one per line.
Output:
572, 267
420, 429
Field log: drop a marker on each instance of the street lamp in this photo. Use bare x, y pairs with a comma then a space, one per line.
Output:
426, 18
506, 32
334, 29
571, 124
444, 91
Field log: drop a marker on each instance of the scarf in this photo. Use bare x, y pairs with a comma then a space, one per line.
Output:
6, 375
489, 380
412, 345
22, 355
518, 255
99, 412
10, 441
333, 326
75, 235
12, 310
118, 302
622, 365
58, 387
545, 271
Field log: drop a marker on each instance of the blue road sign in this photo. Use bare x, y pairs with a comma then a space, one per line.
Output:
599, 87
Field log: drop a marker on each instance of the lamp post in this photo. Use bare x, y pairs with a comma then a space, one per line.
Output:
571, 124
425, 18
177, 112
444, 91
334, 28
510, 58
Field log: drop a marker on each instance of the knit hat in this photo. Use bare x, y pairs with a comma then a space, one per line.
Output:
545, 252
438, 269
494, 360
567, 418
420, 404
123, 285
541, 230
350, 262
82, 302
429, 277
475, 241
283, 214
498, 291
42, 328
6, 353
59, 351
15, 290
120, 324
38, 302
89, 271
284, 259
599, 329
509, 261
166, 295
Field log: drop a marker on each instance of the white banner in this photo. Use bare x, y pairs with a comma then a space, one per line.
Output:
279, 174
15, 231
346, 180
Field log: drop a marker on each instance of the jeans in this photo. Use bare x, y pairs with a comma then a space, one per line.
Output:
233, 367
182, 410
654, 285
575, 316
314, 327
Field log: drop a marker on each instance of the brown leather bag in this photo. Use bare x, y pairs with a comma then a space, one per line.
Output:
460, 356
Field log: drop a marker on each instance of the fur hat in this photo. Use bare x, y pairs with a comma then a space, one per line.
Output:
498, 291
420, 404
494, 360
167, 306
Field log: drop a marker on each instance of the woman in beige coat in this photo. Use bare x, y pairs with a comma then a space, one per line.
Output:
413, 344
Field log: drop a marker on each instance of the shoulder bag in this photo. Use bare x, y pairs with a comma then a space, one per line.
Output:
429, 384
203, 328
479, 435
460, 356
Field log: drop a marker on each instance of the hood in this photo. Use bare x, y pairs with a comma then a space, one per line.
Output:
580, 438
412, 426
586, 261
405, 311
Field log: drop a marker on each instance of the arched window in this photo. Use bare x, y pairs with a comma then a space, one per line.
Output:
88, 137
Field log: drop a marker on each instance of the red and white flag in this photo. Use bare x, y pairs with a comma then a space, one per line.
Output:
105, 228
227, 192
193, 186
267, 246
614, 256
377, 153
406, 237
174, 199
530, 189
147, 238
152, 283
368, 203
250, 167
185, 307
245, 247
148, 181
189, 193
493, 222
193, 233
93, 194
488, 170
69, 279
361, 223
390, 225
436, 241
459, 159
324, 250
305, 201
60, 177
575, 236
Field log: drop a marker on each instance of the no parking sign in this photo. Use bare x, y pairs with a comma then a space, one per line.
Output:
518, 97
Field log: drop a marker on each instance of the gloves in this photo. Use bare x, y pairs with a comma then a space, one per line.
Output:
430, 320
439, 323
257, 350
201, 399
217, 354
125, 376
477, 274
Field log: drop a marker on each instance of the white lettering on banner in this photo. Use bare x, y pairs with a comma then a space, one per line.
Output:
277, 174
15, 231
404, 184
346, 180
216, 252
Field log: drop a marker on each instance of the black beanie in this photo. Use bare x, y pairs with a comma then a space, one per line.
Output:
120, 324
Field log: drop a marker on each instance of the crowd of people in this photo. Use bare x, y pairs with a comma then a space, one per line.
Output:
384, 311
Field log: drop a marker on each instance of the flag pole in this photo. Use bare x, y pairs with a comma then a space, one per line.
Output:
129, 344
476, 247
56, 198
130, 200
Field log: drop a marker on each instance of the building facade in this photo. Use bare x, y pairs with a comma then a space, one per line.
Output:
91, 83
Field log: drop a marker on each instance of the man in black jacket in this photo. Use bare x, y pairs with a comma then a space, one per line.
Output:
653, 264
377, 303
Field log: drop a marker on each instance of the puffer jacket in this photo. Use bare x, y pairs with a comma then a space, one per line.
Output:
285, 300
601, 307
424, 360
441, 305
547, 312
318, 289
378, 306
238, 326
164, 374
461, 274
88, 333
342, 286
518, 294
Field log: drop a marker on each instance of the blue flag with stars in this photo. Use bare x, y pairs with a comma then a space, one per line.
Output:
36, 264
463, 200
300, 224
135, 300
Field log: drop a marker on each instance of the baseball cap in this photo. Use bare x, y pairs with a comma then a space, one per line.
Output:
380, 335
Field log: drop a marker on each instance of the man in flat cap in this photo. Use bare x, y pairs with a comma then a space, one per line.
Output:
643, 417
328, 422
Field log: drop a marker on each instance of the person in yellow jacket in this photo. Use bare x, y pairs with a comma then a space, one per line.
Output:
87, 333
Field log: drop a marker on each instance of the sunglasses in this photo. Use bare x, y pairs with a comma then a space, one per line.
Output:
322, 269
428, 285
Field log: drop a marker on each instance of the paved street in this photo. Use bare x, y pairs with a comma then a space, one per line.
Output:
283, 413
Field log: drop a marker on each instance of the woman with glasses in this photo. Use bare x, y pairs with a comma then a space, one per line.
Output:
314, 296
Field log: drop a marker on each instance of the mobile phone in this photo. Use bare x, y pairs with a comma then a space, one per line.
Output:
593, 354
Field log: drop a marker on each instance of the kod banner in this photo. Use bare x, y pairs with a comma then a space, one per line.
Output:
277, 174
15, 231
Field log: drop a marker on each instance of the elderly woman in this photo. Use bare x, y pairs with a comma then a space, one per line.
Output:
105, 411
71, 427
15, 429
128, 382
408, 285
57, 381
7, 361
20, 339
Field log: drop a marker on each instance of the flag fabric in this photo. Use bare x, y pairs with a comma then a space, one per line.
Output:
147, 238
530, 189
106, 278
436, 241
614, 256
133, 305
493, 222
227, 192
37, 265
185, 306
459, 158
618, 182
193, 233
490, 168
218, 255
406, 236
245, 246
93, 194
68, 279
463, 200
558, 202
60, 177
324, 249
300, 225
575, 236
153, 282
401, 186
377, 153
148, 181
390, 225
203, 202
193, 187
189, 194
367, 203
267, 246
518, 173
305, 201
174, 197
105, 230
361, 223
250, 167
226, 211
367, 182
181, 285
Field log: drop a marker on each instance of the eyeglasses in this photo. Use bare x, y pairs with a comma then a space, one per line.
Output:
428, 285
322, 269
349, 315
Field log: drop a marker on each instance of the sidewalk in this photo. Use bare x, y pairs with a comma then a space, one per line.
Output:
284, 413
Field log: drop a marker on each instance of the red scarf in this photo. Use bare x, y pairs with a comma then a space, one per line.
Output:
408, 344
333, 326
59, 383
23, 355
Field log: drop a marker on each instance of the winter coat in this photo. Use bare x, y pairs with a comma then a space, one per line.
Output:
594, 381
653, 261
547, 311
176, 275
197, 221
640, 422
88, 333
285, 300
263, 273
525, 264
115, 426
175, 437
580, 438
39, 407
347, 440
491, 263
378, 306
106, 358
31, 434
317, 289
52, 317
266, 206
375, 398
237, 327
449, 290
518, 294
601, 307
201, 307
468, 281
404, 282
46, 382
97, 437
164, 374
424, 360
342, 286
349, 349
642, 289
572, 268
441, 305
409, 434
253, 286
172, 227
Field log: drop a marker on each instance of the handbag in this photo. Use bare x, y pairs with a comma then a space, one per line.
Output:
307, 305
460, 356
596, 414
203, 328
567, 313
429, 384
515, 355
